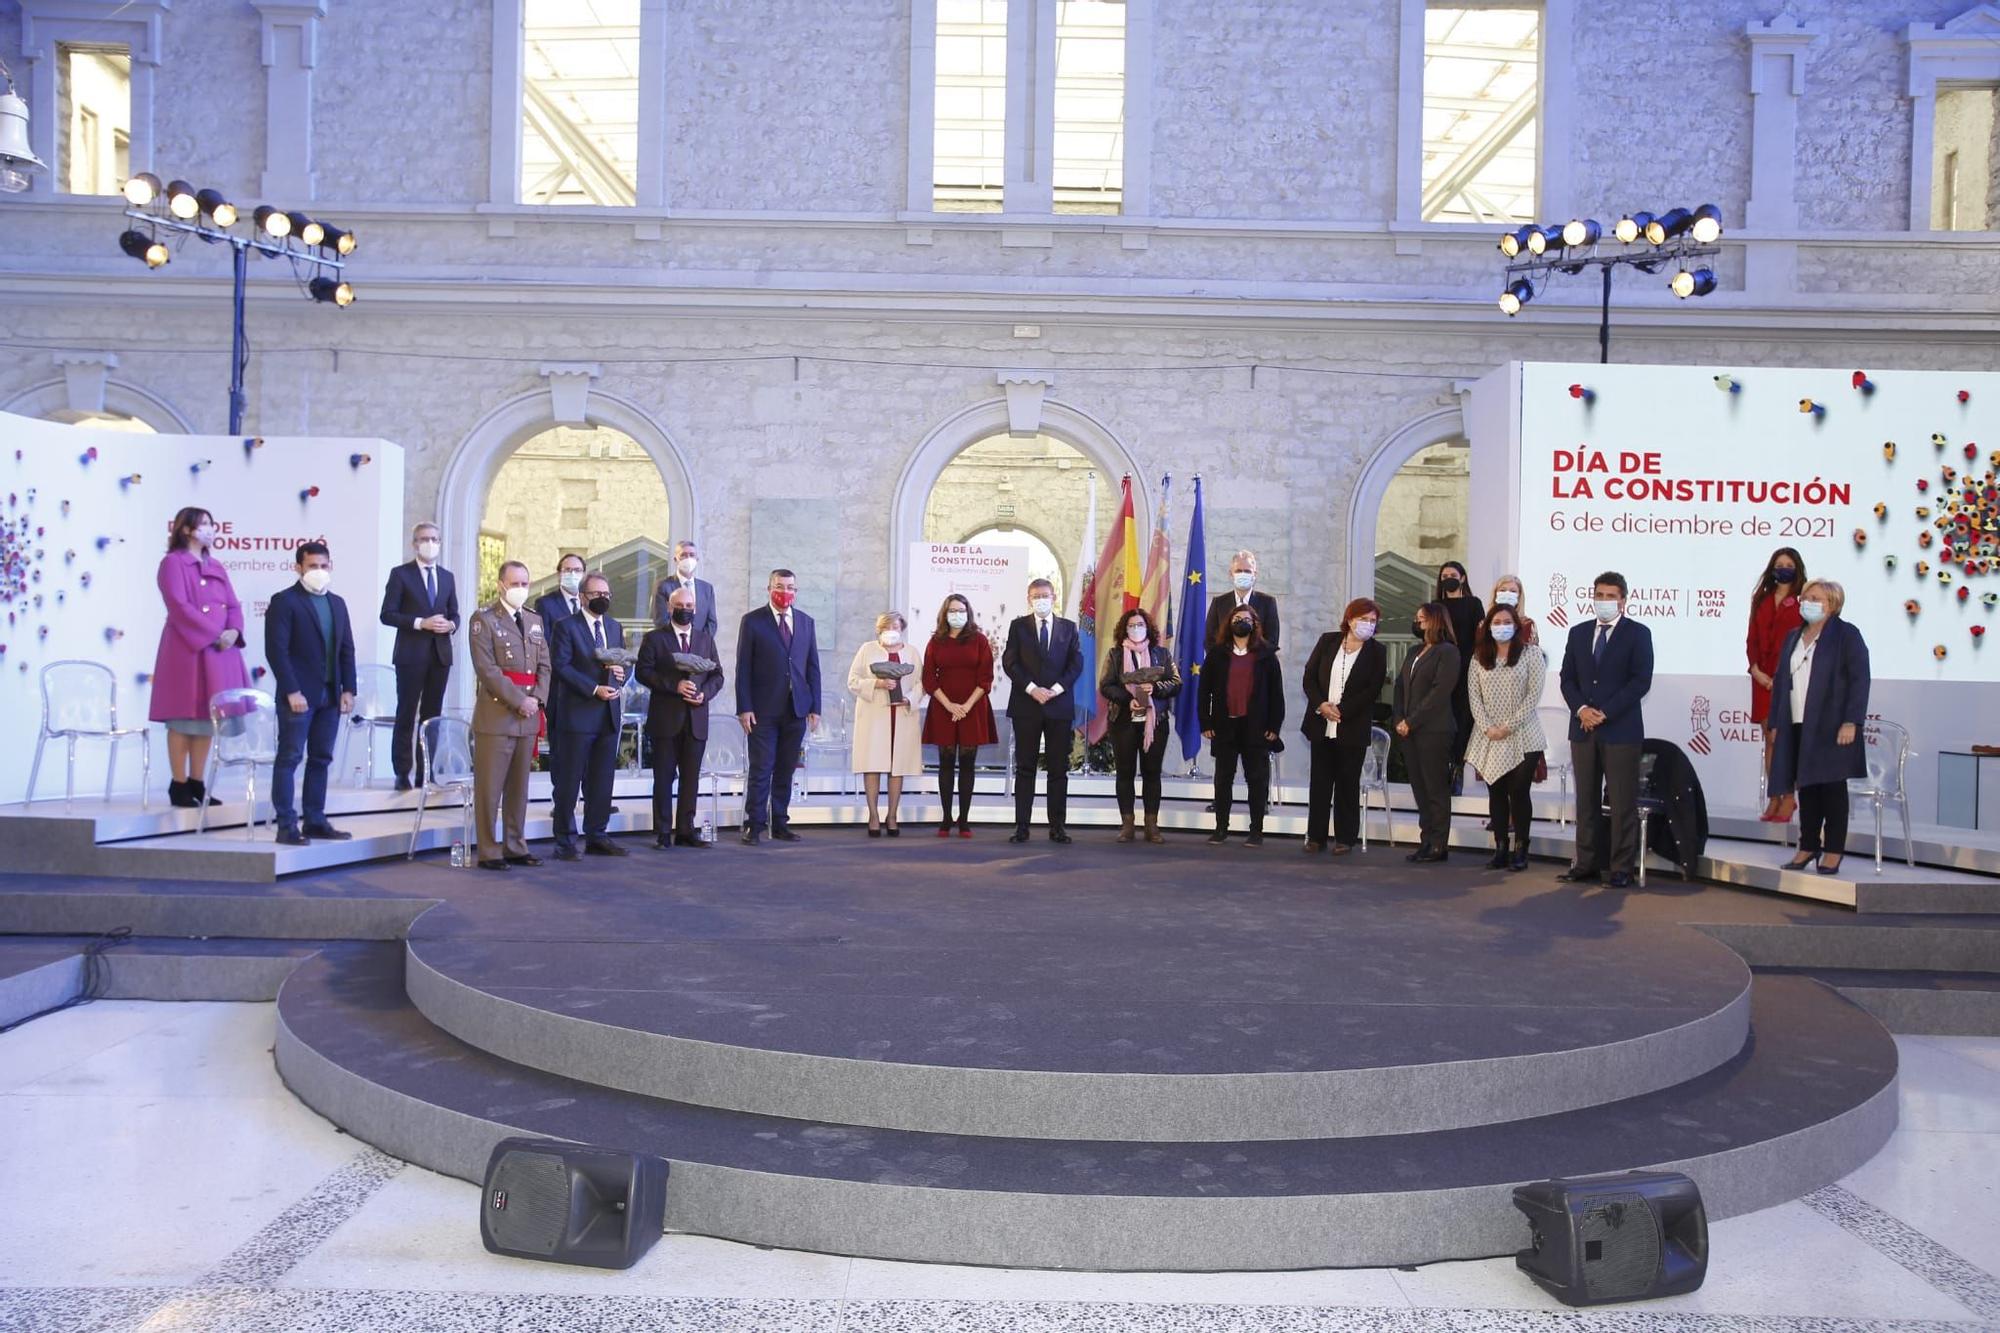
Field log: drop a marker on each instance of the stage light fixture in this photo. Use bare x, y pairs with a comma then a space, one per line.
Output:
1518, 293
1580, 232
1538, 239
1698, 282
1668, 225
219, 210
340, 241
1707, 225
140, 246
181, 201
142, 189
308, 231
272, 222
1628, 228
331, 290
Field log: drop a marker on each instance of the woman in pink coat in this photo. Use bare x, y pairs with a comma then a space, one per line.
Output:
200, 650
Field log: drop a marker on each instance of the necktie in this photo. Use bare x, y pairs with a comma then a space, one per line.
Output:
684, 641
1597, 648
1045, 638
599, 627
572, 605
430, 584
519, 626
785, 629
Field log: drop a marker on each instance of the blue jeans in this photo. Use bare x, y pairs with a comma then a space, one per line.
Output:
774, 757
309, 735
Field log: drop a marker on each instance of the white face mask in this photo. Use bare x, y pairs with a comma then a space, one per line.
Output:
1041, 606
955, 619
1607, 610
204, 536
1136, 631
1363, 629
1506, 597
1502, 633
516, 596
686, 566
571, 581
1243, 579
891, 638
1812, 612
316, 580
427, 551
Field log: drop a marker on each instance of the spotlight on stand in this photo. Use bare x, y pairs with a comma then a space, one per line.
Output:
1518, 294
1707, 226
331, 290
1631, 227
215, 208
274, 223
141, 246
1579, 232
303, 227
17, 159
143, 189
1696, 282
1679, 243
339, 241
1538, 239
1668, 225
181, 201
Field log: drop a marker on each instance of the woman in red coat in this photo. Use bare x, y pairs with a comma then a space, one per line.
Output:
958, 676
1774, 614
200, 650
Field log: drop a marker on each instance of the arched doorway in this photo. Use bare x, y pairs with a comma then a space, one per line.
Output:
1032, 493
126, 407
1043, 563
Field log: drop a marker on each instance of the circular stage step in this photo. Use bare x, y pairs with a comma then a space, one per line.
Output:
1094, 991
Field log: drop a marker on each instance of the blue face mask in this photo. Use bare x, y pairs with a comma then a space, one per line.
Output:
1502, 633
1812, 612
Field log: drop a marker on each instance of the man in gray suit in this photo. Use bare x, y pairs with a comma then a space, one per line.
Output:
686, 560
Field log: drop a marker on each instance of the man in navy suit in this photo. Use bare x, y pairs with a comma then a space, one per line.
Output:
586, 757
777, 701
309, 644
555, 606
1607, 669
1043, 660
686, 560
421, 604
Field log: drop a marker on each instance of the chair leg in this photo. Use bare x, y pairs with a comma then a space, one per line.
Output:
35, 769
423, 798
69, 783
1909, 848
145, 770
111, 767
1644, 819
1877, 803
250, 804
207, 782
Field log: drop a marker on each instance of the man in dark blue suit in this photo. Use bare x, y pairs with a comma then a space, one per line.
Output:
421, 604
555, 606
686, 560
309, 644
586, 756
1043, 660
1607, 669
777, 701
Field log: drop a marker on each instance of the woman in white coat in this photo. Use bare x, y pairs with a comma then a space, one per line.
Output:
887, 738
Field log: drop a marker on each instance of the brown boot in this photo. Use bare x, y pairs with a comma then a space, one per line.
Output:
1125, 829
1153, 833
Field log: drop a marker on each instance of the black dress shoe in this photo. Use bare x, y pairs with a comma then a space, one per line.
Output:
1018, 835
785, 835
1519, 861
565, 851
199, 790
292, 837
403, 784
327, 832
604, 847
1256, 838
181, 795
530, 860
494, 865
1619, 880
1418, 855
1219, 836
1058, 835
663, 844
1578, 875
749, 837
689, 840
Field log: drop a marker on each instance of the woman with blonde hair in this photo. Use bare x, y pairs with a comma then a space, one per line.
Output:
1507, 592
1819, 704
885, 680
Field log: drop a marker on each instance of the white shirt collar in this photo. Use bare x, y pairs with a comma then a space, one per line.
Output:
1608, 625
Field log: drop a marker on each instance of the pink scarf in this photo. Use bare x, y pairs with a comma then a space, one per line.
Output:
1133, 662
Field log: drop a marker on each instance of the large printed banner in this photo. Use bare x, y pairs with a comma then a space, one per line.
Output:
1686, 478
84, 528
994, 579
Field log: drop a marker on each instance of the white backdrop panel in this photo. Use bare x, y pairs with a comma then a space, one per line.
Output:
994, 579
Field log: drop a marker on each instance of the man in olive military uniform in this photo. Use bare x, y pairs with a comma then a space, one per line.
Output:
510, 658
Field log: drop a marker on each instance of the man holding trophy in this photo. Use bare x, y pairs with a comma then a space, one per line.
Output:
679, 664
591, 661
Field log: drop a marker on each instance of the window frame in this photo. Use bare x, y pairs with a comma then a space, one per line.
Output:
510, 62
1963, 51
48, 28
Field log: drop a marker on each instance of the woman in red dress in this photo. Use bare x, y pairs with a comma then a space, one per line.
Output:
1774, 613
958, 676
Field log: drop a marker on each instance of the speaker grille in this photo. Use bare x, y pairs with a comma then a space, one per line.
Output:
1620, 1244
535, 1189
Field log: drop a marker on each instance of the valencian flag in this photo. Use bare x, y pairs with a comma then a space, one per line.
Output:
1083, 610
1117, 589
1157, 594
1188, 647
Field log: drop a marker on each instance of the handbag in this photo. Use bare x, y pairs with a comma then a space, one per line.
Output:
1541, 768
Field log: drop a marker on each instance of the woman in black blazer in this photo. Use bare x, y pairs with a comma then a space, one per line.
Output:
1425, 721
1242, 702
1138, 738
1819, 704
1344, 677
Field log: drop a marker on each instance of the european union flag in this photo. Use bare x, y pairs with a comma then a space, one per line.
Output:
1188, 647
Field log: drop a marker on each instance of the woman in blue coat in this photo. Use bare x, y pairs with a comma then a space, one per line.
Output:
1819, 704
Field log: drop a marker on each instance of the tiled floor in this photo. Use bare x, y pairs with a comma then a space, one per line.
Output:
155, 1175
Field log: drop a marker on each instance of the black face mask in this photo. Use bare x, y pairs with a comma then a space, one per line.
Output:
1783, 575
1451, 583
683, 616
598, 606
1417, 631
1240, 628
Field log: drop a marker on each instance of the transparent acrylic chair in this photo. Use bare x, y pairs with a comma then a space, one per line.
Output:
634, 700
80, 702
374, 711
1555, 731
1375, 779
727, 756
445, 747
1889, 756
246, 735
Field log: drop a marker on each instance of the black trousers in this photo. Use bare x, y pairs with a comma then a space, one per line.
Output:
1510, 803
1427, 755
1607, 774
585, 760
1032, 738
1335, 792
1137, 766
1823, 817
1237, 739
676, 780
955, 765
774, 760
419, 698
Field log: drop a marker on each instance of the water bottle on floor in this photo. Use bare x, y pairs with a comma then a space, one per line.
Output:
458, 852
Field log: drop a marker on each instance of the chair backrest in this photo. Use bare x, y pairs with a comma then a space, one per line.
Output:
1888, 755
728, 751
79, 696
246, 726
1555, 734
374, 692
634, 700
447, 743
1376, 767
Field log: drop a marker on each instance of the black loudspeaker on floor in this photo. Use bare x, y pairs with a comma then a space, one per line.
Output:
1630, 1237
570, 1203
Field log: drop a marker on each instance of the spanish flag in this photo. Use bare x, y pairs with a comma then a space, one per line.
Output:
1118, 584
